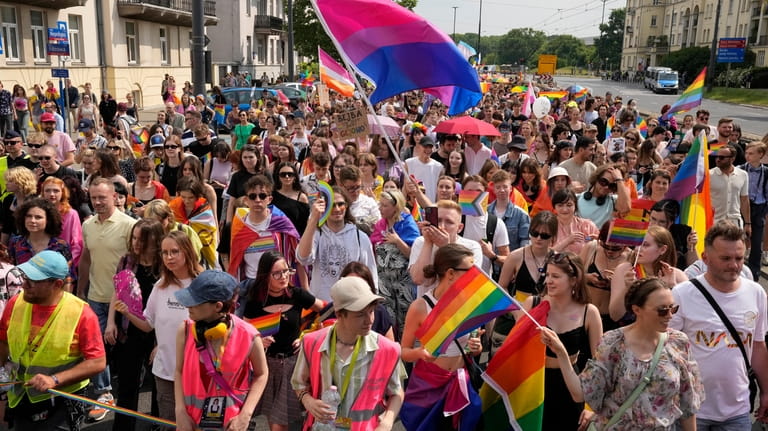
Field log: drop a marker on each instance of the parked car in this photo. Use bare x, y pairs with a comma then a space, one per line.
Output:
293, 94
243, 97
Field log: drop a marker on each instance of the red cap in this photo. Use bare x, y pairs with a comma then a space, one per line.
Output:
47, 117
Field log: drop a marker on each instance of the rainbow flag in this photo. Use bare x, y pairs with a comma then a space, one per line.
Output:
262, 244
473, 203
334, 75
382, 40
514, 381
469, 302
691, 187
641, 126
641, 210
691, 97
416, 212
517, 89
266, 325
627, 232
640, 272
553, 95
485, 87
714, 146
219, 113
494, 156
580, 95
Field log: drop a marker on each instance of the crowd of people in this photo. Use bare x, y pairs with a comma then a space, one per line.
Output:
165, 250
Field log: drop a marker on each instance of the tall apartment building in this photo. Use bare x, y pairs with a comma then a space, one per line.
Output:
250, 38
124, 46
654, 27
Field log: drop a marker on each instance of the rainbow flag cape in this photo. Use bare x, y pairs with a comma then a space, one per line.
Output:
473, 203
641, 210
690, 98
469, 302
202, 221
626, 232
514, 381
691, 187
266, 325
380, 40
553, 95
334, 75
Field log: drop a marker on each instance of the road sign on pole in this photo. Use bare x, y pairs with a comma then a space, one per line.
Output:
60, 73
58, 40
731, 49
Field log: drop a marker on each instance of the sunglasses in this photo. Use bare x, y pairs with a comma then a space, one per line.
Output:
171, 147
114, 148
339, 205
608, 183
664, 311
613, 248
541, 235
260, 196
12, 142
34, 145
287, 175
45, 157
560, 258
353, 189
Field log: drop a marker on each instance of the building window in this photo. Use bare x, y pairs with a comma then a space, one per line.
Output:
760, 60
131, 44
75, 39
657, 2
165, 52
248, 49
262, 8
653, 20
730, 7
10, 34
39, 37
260, 53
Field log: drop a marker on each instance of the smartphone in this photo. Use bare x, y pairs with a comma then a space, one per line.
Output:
430, 215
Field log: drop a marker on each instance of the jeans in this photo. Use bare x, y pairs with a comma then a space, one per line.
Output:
757, 215
101, 382
6, 123
736, 423
22, 124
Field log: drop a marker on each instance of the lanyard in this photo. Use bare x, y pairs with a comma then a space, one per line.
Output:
348, 376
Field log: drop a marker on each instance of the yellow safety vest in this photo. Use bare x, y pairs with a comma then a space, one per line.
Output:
49, 352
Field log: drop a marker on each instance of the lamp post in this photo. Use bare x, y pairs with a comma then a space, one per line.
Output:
479, 27
454, 23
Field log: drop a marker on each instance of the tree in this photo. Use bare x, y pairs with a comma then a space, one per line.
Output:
569, 50
520, 43
308, 33
611, 39
688, 61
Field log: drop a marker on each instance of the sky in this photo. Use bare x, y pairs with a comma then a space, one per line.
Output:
579, 18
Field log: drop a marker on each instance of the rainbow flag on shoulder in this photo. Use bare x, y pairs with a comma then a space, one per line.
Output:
514, 381
471, 301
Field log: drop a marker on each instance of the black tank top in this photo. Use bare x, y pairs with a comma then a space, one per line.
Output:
576, 341
593, 269
523, 281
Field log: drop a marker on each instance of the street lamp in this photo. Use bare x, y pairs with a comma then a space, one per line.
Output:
479, 27
454, 22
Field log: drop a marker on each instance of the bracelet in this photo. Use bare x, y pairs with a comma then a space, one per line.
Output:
55, 379
302, 395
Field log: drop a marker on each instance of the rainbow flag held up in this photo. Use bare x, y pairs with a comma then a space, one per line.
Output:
416, 212
691, 97
334, 75
266, 325
485, 87
514, 381
641, 126
219, 113
640, 272
627, 232
581, 95
641, 210
473, 203
471, 301
553, 95
517, 89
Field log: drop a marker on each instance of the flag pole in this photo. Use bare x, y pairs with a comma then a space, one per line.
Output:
359, 87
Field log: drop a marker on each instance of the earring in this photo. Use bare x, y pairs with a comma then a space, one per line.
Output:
573, 292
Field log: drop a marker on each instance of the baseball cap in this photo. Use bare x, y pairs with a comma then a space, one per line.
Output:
156, 141
427, 141
209, 286
11, 135
85, 124
517, 143
352, 294
558, 171
47, 117
47, 264
504, 127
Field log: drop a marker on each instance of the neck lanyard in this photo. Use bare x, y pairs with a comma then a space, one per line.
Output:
348, 376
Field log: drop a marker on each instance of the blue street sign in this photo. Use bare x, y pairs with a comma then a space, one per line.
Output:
58, 49
60, 73
55, 35
731, 49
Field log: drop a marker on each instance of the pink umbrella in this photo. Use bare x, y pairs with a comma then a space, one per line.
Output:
388, 127
467, 126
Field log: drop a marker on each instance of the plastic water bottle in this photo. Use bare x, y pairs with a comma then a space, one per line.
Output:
331, 397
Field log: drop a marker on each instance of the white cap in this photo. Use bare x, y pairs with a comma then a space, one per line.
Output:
556, 172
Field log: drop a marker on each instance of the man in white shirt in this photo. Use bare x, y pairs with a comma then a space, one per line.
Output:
424, 168
729, 188
579, 167
364, 208
720, 361
475, 154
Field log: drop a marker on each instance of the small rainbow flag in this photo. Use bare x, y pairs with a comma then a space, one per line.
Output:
262, 244
714, 146
266, 325
484, 87
494, 156
640, 272
641, 126
580, 95
416, 212
641, 210
514, 381
553, 95
469, 302
627, 232
517, 89
473, 203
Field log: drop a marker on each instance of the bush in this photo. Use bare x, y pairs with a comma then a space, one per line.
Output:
734, 77
760, 78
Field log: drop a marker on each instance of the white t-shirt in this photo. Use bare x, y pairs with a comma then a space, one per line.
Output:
475, 229
720, 361
428, 173
253, 254
416, 251
166, 315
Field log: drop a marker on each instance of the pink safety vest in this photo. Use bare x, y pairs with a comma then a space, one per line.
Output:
235, 368
369, 403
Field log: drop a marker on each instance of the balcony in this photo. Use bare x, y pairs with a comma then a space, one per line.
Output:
172, 12
267, 24
54, 4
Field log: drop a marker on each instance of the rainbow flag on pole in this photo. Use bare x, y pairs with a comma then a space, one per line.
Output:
690, 98
333, 74
469, 302
266, 325
641, 210
627, 232
514, 381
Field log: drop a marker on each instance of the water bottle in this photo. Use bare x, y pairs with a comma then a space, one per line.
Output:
474, 334
5, 376
331, 397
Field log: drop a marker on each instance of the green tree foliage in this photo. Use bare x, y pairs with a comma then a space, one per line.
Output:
520, 43
308, 33
569, 50
687, 60
609, 44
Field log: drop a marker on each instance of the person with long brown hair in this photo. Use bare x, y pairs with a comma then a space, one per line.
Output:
55, 191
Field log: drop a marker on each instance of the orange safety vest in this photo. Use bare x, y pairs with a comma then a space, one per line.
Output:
235, 367
369, 403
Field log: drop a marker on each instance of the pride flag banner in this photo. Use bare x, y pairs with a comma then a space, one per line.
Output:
514, 381
473, 203
530, 97
266, 325
334, 75
219, 113
553, 95
640, 272
627, 232
641, 210
399, 51
471, 301
690, 98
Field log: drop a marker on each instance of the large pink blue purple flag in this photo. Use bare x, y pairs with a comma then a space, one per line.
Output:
399, 51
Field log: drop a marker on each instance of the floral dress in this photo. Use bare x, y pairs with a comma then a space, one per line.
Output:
675, 390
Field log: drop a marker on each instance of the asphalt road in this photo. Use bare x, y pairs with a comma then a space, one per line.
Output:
751, 118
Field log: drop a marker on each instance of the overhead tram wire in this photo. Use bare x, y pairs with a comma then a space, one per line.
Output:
600, 5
